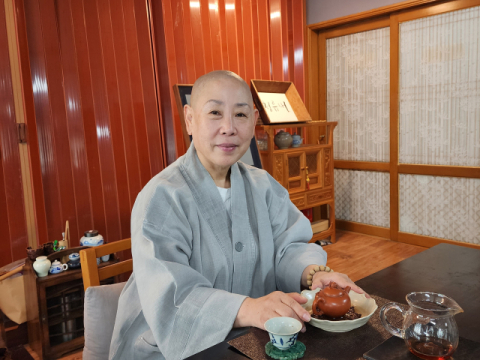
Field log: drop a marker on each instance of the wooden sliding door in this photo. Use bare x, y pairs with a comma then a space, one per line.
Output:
407, 159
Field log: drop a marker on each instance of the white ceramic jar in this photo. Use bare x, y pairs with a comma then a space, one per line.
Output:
41, 266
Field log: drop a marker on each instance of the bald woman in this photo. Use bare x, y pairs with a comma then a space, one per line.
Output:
216, 244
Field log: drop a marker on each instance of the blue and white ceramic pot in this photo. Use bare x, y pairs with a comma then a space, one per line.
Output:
91, 238
57, 267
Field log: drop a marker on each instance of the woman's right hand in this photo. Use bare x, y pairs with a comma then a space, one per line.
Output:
254, 312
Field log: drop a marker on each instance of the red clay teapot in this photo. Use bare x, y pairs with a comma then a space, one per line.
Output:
332, 301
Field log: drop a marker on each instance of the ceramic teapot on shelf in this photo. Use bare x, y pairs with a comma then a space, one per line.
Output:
297, 140
57, 267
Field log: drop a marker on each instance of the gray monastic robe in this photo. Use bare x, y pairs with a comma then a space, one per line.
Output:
193, 265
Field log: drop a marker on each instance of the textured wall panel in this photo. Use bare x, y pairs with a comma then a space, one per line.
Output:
439, 93
362, 196
358, 95
443, 207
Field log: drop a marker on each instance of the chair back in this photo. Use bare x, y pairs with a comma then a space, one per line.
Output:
101, 302
92, 273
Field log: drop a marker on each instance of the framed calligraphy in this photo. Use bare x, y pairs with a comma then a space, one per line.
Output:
279, 102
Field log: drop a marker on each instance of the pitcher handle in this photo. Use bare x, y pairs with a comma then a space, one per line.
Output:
383, 316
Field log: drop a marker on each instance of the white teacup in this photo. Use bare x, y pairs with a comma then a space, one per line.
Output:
283, 331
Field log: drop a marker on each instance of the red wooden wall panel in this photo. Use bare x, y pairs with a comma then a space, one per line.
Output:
257, 39
12, 213
74, 119
93, 112
34, 151
156, 143
44, 119
98, 78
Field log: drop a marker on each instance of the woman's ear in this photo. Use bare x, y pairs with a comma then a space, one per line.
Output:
188, 115
256, 114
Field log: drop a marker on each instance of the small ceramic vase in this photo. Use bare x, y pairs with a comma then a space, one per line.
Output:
41, 266
283, 139
57, 267
297, 140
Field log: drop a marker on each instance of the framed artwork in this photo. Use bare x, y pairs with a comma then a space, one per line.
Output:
279, 102
182, 98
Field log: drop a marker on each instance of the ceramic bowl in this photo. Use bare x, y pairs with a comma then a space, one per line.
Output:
74, 264
74, 256
363, 305
283, 331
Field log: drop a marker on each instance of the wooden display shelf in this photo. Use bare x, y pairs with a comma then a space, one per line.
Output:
55, 308
70, 273
298, 125
305, 171
301, 147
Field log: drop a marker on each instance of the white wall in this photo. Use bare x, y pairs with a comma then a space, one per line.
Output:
321, 10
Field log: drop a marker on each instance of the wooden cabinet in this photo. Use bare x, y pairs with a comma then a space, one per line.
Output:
305, 171
55, 308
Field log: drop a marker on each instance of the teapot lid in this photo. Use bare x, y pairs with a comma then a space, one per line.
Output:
55, 262
91, 233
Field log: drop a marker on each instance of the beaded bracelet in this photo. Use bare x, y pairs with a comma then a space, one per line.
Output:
315, 270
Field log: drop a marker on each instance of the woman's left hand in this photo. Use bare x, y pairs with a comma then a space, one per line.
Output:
323, 278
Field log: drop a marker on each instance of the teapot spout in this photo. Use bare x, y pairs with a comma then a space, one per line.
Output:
457, 310
431, 303
453, 306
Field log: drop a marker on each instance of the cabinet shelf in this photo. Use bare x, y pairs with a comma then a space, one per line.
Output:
54, 306
301, 148
305, 171
59, 318
298, 124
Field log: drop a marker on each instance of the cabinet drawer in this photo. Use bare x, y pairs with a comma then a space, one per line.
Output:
298, 200
314, 197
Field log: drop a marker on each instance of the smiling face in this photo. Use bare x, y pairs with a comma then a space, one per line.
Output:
221, 121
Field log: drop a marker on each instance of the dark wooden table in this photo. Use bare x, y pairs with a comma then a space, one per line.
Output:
448, 269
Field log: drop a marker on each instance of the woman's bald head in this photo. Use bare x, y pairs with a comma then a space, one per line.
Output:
202, 81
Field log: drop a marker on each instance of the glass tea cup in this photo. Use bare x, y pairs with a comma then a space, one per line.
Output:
429, 329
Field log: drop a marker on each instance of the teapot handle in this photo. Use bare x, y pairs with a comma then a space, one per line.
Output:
383, 316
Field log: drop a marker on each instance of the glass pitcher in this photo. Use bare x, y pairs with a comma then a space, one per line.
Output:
429, 329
